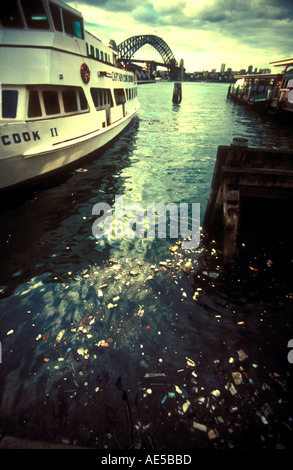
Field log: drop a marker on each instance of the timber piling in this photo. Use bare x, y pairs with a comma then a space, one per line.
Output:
260, 176
177, 92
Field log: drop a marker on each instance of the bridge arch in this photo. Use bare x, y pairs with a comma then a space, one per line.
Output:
129, 47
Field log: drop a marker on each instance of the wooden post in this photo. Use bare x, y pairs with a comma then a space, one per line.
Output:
231, 211
177, 93
237, 152
228, 93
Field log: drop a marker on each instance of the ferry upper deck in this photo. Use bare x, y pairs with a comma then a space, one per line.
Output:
59, 27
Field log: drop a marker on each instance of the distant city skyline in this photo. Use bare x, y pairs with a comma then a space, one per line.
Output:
205, 33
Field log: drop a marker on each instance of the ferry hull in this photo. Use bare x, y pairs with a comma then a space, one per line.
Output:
23, 170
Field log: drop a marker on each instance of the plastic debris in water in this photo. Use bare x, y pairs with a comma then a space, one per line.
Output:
190, 362
212, 274
237, 377
81, 170
59, 336
164, 399
242, 355
103, 343
133, 273
83, 352
174, 248
187, 267
154, 374
232, 389
200, 427
185, 406
213, 433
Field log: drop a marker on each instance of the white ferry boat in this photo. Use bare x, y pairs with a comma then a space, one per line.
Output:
62, 95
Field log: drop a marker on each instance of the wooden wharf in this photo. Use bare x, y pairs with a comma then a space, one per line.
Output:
242, 173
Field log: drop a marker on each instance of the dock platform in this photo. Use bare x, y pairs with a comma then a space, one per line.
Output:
259, 176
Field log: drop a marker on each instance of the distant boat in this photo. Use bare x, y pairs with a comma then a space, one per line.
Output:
254, 89
63, 94
282, 101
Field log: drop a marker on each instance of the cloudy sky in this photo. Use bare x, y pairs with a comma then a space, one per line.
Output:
205, 33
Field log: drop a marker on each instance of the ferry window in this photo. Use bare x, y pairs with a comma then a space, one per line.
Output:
34, 107
51, 102
72, 24
56, 15
9, 103
102, 55
10, 15
35, 14
101, 96
92, 51
69, 101
87, 49
97, 54
119, 96
109, 97
82, 100
95, 96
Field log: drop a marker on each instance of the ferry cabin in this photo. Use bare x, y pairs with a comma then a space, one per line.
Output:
62, 93
254, 88
283, 100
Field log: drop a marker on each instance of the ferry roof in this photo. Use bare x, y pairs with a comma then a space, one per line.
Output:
64, 5
283, 62
258, 75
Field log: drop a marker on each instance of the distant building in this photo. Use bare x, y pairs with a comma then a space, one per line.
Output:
223, 66
249, 70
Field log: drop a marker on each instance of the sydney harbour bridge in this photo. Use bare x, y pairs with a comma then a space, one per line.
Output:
130, 46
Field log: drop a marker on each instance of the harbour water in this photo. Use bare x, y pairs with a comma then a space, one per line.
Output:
107, 343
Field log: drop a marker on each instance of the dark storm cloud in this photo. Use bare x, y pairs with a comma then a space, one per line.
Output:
265, 25
221, 11
111, 5
248, 12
